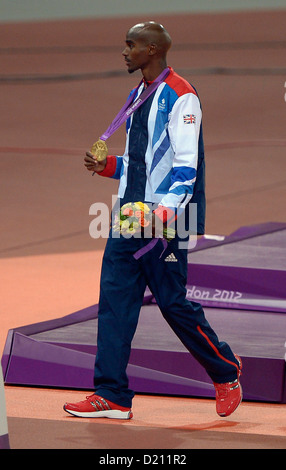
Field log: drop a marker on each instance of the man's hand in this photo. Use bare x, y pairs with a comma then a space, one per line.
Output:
157, 227
93, 165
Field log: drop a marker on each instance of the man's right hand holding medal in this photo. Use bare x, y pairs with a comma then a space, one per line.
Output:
95, 160
92, 164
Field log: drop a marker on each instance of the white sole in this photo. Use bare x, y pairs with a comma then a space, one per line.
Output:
115, 414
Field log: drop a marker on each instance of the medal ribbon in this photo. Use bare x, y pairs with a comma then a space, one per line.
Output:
149, 247
130, 107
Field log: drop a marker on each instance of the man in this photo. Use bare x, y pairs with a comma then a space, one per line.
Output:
163, 164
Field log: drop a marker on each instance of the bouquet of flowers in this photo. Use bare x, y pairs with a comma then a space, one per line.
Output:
134, 217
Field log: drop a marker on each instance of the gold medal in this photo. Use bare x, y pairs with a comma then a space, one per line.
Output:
99, 150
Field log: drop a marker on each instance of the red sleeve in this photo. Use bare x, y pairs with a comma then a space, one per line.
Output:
110, 166
165, 214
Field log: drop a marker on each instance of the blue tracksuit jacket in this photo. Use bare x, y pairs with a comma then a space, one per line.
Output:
163, 161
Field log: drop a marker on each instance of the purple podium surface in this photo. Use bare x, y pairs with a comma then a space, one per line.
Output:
240, 281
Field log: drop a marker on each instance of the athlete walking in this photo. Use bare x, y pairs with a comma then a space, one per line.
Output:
163, 164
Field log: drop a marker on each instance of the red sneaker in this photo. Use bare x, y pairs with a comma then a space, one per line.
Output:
228, 395
97, 407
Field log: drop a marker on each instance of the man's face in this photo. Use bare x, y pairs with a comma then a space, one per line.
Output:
136, 52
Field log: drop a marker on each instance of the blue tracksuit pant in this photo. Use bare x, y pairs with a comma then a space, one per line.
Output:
123, 283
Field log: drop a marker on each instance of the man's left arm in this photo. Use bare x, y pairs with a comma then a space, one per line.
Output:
184, 131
